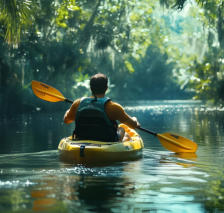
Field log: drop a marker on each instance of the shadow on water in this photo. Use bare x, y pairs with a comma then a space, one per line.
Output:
32, 178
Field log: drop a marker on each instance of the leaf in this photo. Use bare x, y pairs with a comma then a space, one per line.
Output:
129, 66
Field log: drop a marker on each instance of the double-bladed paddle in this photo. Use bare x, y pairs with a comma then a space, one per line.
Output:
172, 142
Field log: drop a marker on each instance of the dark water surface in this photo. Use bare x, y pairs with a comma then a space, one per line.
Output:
32, 178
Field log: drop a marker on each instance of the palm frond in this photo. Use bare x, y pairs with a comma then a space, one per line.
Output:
15, 15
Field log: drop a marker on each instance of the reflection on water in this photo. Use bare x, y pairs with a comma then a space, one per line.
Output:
32, 178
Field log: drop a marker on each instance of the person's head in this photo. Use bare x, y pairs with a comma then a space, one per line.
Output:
98, 84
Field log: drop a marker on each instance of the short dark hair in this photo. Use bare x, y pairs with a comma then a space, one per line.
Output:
98, 83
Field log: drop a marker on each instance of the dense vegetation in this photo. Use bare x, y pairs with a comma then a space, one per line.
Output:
149, 51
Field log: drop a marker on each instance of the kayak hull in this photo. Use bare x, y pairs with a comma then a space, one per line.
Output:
96, 152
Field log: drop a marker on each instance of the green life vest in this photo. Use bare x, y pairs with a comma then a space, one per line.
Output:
92, 122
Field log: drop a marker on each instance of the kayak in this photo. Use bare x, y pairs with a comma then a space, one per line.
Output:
98, 152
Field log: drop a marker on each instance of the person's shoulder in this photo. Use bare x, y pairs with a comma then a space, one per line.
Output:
114, 104
76, 101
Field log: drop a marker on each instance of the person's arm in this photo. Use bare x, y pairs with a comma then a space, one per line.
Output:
132, 122
116, 112
70, 114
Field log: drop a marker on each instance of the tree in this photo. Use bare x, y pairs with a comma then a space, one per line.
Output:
206, 73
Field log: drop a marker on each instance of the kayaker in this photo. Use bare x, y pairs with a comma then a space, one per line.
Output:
96, 116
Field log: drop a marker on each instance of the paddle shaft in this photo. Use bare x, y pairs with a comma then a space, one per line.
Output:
69, 101
148, 131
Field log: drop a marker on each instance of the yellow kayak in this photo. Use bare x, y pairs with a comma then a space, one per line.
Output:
97, 152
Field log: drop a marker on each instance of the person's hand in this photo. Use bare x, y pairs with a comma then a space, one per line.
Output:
136, 120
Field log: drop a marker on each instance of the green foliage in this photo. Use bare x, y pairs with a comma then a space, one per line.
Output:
16, 16
207, 76
156, 77
204, 73
64, 13
70, 40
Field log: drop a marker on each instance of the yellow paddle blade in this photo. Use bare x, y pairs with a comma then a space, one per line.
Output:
176, 143
46, 92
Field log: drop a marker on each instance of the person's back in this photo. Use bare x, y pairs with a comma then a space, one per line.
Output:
92, 121
95, 117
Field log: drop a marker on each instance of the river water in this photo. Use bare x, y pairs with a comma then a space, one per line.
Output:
32, 178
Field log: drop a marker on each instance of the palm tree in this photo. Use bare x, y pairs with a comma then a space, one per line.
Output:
15, 15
